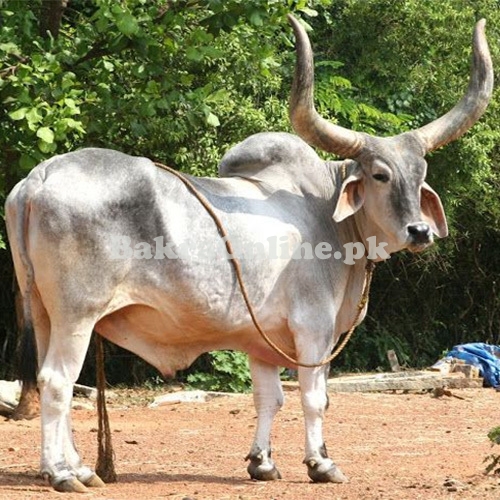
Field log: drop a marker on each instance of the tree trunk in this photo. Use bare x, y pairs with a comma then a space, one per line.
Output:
51, 16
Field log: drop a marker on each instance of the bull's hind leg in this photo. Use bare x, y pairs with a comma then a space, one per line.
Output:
59, 371
268, 399
314, 398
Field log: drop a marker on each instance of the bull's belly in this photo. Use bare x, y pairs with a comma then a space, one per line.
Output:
172, 341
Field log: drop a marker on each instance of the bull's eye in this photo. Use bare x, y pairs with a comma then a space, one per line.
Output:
381, 177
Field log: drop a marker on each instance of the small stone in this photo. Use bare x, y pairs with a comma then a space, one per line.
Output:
454, 485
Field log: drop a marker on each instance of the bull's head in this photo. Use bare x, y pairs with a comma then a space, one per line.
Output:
387, 175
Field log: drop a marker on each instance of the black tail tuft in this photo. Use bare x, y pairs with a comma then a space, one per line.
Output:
28, 361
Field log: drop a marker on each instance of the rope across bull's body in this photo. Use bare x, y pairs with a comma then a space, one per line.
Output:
363, 301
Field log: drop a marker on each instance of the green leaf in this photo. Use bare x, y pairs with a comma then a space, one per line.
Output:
26, 162
10, 48
117, 9
220, 95
152, 87
70, 103
46, 148
109, 66
212, 120
193, 54
127, 24
494, 435
33, 117
68, 80
309, 12
102, 24
18, 114
256, 19
46, 134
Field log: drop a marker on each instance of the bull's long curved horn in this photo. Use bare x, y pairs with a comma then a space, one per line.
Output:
459, 119
305, 119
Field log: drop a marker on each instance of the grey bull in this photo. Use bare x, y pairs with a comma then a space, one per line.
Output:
83, 225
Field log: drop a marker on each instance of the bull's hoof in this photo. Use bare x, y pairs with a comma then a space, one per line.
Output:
94, 482
263, 472
16, 415
23, 415
72, 485
29, 404
325, 473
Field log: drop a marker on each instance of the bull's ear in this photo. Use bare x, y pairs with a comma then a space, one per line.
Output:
351, 198
432, 211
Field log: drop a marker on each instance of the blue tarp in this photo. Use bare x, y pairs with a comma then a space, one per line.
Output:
485, 357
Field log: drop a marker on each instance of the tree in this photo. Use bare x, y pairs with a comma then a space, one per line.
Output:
180, 81
413, 61
51, 17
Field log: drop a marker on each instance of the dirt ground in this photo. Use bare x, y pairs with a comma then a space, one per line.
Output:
391, 446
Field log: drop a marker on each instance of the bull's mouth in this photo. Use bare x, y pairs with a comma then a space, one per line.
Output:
417, 247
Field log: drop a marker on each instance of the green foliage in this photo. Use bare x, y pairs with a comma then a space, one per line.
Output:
179, 82
493, 460
336, 100
41, 112
422, 80
166, 65
167, 80
227, 371
400, 57
182, 81
494, 435
368, 348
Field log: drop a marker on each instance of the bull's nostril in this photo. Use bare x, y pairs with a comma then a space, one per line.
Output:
420, 232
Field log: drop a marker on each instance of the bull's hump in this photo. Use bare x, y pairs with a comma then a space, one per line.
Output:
278, 159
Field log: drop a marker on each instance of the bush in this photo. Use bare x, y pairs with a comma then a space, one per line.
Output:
225, 371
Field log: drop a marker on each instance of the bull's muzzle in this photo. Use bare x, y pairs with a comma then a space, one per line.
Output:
419, 236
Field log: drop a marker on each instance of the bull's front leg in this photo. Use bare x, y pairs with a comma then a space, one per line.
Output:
268, 399
314, 399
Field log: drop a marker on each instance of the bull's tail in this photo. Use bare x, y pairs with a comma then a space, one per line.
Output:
17, 210
29, 359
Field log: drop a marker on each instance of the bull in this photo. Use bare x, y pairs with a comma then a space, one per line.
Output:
84, 229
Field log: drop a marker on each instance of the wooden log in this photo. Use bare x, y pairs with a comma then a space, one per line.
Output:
404, 381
